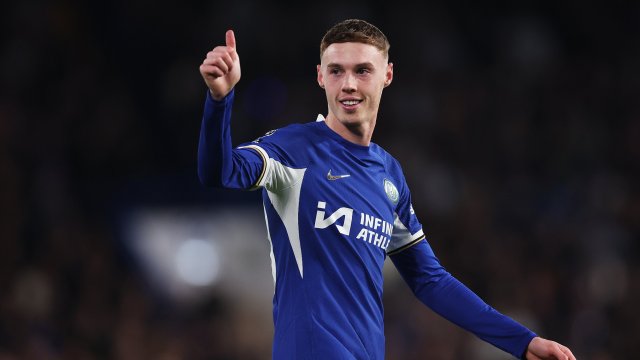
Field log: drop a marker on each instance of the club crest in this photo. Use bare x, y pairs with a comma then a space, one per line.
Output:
391, 191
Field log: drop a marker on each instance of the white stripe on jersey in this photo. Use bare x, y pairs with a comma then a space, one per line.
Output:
283, 186
266, 163
271, 256
286, 202
401, 235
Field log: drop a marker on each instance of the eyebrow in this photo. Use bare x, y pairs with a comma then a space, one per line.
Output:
364, 64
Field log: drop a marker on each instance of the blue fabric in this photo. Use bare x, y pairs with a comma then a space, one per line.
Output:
334, 211
218, 164
447, 296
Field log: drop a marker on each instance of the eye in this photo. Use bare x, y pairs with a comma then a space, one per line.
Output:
334, 71
363, 71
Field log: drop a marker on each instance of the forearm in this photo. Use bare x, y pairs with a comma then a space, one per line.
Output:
218, 163
454, 301
448, 297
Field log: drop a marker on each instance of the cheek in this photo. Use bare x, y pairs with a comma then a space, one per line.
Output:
331, 87
376, 91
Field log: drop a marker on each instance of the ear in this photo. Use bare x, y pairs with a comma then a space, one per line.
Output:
388, 76
320, 79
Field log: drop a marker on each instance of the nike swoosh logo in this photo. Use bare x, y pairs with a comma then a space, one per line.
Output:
336, 177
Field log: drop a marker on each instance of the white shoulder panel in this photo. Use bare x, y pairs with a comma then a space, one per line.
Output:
273, 259
401, 235
283, 187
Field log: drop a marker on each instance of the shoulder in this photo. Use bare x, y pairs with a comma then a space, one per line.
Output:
288, 134
392, 164
290, 145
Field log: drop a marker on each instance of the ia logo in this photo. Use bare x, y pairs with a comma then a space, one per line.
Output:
322, 222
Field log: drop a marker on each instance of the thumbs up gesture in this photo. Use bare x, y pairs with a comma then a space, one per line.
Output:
221, 68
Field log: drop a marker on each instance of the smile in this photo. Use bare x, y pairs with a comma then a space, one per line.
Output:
350, 102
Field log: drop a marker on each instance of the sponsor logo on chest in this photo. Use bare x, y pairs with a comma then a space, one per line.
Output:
374, 230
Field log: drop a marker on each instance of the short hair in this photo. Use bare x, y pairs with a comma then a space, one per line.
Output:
355, 30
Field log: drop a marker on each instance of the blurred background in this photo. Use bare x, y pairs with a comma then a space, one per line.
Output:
518, 127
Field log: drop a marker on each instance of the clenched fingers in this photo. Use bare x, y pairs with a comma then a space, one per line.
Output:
217, 63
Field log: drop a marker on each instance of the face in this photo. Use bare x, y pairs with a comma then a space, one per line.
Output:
353, 76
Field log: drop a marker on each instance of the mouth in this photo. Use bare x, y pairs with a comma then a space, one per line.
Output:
350, 104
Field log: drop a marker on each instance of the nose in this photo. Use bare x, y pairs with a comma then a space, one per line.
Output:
349, 83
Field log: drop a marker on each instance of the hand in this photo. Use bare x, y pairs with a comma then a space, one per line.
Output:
221, 68
543, 349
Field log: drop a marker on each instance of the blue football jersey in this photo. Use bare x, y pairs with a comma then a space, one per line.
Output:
334, 211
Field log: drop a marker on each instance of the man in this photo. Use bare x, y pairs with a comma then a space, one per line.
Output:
336, 205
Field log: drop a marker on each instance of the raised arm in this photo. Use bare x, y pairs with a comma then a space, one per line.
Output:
218, 163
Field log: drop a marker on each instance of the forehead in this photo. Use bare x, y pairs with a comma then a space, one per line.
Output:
352, 53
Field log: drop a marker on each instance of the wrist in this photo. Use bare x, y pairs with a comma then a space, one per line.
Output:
217, 99
526, 349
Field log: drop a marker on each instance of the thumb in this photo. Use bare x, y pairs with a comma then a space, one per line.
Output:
231, 40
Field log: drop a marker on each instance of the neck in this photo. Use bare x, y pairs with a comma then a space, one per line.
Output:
357, 133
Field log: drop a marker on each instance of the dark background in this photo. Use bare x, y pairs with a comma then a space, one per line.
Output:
518, 127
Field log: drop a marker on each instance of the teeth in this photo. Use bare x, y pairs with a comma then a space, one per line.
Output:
350, 102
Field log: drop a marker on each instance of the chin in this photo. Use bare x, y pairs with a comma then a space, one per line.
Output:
351, 117
351, 120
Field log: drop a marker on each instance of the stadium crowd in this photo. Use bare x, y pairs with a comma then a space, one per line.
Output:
518, 128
